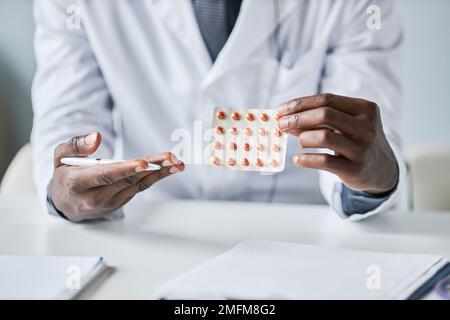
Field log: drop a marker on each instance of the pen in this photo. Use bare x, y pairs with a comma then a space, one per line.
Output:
90, 162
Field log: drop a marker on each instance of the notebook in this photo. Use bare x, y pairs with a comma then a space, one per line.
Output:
43, 278
273, 270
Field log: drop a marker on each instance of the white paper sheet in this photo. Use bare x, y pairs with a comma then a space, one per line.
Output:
32, 277
273, 270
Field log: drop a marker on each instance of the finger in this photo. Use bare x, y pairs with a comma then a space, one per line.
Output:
103, 175
324, 138
351, 106
324, 117
294, 133
97, 199
333, 164
163, 159
113, 189
128, 193
124, 190
81, 146
126, 182
109, 191
166, 159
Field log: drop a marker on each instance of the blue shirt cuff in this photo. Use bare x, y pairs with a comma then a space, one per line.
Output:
354, 202
53, 210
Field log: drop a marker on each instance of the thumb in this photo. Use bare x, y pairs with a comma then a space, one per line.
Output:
81, 146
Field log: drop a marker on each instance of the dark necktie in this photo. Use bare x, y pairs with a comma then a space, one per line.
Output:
216, 19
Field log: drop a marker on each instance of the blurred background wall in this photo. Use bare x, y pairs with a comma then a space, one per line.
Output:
426, 70
16, 71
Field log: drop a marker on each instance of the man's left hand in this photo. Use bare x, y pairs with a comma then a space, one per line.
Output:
352, 128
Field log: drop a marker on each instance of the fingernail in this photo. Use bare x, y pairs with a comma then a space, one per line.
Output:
173, 170
292, 105
173, 158
140, 169
296, 159
283, 123
287, 107
91, 139
283, 108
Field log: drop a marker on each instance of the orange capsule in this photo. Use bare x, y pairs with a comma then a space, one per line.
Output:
262, 132
276, 148
245, 162
278, 117
235, 116
220, 130
232, 146
261, 147
234, 131
217, 145
250, 116
248, 132
259, 163
274, 163
220, 115
277, 133
246, 147
231, 162
264, 117
215, 161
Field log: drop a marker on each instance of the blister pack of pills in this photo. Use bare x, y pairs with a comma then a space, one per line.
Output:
248, 140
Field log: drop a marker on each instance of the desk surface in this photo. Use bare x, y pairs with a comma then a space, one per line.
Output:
157, 241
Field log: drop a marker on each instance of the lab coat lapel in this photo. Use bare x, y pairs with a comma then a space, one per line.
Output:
255, 24
179, 17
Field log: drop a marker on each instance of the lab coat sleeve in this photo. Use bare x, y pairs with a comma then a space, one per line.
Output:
69, 94
364, 61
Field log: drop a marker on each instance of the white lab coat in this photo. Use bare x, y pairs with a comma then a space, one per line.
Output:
147, 60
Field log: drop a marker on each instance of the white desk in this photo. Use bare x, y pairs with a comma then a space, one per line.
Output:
158, 241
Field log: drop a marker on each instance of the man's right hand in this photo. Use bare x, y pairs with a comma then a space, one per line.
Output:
84, 193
